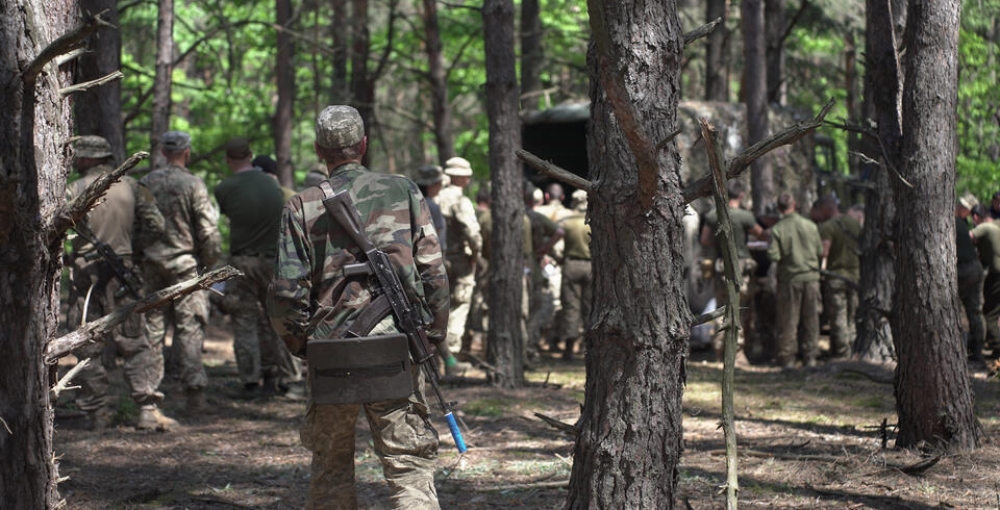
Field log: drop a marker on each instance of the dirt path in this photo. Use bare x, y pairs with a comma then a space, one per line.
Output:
810, 439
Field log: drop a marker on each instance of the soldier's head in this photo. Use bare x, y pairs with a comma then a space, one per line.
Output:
532, 195
580, 200
89, 151
981, 214
857, 211
828, 206
996, 201
459, 170
786, 202
429, 178
736, 191
555, 192
238, 153
340, 135
177, 147
483, 194
964, 205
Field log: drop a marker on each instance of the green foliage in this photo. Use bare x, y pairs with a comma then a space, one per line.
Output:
978, 100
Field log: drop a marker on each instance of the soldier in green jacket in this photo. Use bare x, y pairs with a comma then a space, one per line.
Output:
841, 234
797, 249
312, 298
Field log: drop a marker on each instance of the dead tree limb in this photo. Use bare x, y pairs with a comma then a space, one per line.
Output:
886, 162
554, 171
71, 213
703, 187
64, 44
701, 31
731, 266
709, 317
563, 427
63, 383
95, 331
79, 87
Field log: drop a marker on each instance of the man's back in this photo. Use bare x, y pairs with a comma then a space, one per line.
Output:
843, 232
111, 220
252, 201
189, 216
460, 216
796, 246
987, 236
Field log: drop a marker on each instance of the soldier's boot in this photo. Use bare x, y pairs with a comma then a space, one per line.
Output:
151, 418
100, 419
567, 354
195, 401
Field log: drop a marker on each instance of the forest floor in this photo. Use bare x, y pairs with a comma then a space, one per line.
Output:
811, 438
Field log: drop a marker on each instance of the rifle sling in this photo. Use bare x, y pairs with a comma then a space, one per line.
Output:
370, 316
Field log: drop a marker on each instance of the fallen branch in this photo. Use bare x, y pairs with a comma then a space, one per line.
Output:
63, 383
79, 87
95, 331
917, 467
703, 187
561, 426
558, 484
782, 456
709, 317
64, 44
700, 32
554, 171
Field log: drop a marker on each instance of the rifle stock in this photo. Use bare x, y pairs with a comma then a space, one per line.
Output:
123, 273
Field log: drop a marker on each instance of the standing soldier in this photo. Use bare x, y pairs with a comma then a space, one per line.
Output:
841, 234
796, 248
124, 221
545, 233
464, 246
987, 238
479, 308
430, 180
190, 244
253, 202
577, 278
312, 299
554, 210
970, 280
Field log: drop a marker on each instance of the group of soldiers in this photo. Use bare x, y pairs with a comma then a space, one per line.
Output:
164, 227
978, 268
816, 268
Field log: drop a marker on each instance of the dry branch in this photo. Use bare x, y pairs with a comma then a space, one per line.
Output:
117, 75
700, 32
72, 212
64, 44
63, 383
918, 467
703, 187
563, 427
554, 171
708, 317
96, 330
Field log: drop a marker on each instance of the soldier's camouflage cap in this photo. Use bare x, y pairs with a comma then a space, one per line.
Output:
339, 126
968, 201
176, 141
579, 200
458, 167
91, 146
428, 175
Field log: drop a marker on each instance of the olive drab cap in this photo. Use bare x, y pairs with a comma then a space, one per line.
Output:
339, 126
91, 146
176, 141
458, 167
428, 175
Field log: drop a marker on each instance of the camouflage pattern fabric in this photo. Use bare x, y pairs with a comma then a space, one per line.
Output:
258, 350
189, 316
311, 298
192, 237
465, 243
840, 301
798, 321
970, 292
128, 220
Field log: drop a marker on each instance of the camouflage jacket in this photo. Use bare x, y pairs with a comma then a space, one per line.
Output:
464, 238
127, 220
192, 235
311, 298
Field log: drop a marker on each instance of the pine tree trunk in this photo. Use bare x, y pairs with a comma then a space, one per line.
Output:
36, 123
531, 53
755, 97
163, 81
774, 21
505, 341
98, 111
285, 72
629, 445
339, 93
933, 396
438, 84
717, 53
362, 85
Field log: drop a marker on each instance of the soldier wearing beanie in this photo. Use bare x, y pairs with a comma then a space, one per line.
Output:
312, 298
127, 220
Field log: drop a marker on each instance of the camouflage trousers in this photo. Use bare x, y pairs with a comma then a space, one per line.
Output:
970, 292
577, 282
143, 367
258, 350
798, 321
478, 308
188, 315
542, 311
462, 283
404, 440
746, 272
840, 303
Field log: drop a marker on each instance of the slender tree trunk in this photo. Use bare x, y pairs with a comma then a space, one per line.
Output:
755, 97
285, 71
532, 54
362, 86
629, 445
505, 341
439, 84
774, 20
883, 90
98, 111
851, 99
717, 53
163, 80
36, 124
339, 29
933, 396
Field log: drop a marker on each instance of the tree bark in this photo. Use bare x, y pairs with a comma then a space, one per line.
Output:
532, 54
284, 111
933, 396
163, 80
774, 20
630, 431
755, 97
505, 341
440, 108
717, 53
340, 31
36, 123
98, 111
362, 86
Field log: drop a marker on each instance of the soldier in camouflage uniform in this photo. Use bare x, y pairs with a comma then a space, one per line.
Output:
315, 175
253, 202
191, 244
577, 278
312, 298
126, 220
841, 234
464, 246
545, 233
970, 280
554, 210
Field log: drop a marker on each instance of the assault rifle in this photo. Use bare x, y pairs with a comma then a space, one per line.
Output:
123, 273
408, 319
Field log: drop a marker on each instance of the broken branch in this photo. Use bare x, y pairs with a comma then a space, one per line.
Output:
554, 171
700, 32
117, 75
62, 45
63, 383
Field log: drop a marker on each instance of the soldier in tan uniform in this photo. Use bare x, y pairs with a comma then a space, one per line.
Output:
554, 210
189, 246
464, 246
126, 220
577, 280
